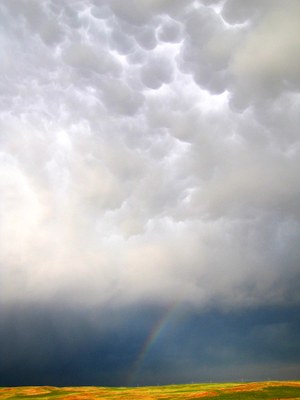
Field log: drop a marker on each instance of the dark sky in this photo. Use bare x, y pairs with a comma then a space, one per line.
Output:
149, 191
59, 346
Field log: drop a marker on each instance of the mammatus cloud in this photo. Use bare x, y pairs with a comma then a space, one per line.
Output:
150, 153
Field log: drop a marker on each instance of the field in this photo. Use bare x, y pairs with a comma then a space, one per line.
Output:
218, 391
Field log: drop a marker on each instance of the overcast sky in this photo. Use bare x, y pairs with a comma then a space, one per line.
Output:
149, 188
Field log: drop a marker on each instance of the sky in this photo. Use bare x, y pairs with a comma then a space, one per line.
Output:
149, 191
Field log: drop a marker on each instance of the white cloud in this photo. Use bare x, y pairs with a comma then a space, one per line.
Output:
149, 153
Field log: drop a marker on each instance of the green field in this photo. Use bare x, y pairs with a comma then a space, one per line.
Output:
242, 391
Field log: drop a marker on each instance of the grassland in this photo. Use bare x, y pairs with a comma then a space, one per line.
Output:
218, 391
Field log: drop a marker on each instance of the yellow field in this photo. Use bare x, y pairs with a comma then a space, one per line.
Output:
243, 391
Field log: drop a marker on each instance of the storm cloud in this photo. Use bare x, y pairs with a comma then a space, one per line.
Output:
149, 156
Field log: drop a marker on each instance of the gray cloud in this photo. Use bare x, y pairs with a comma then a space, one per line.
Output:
268, 62
170, 32
150, 153
156, 72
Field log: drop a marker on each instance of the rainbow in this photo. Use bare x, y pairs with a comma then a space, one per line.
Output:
154, 334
